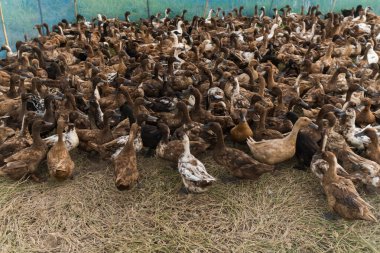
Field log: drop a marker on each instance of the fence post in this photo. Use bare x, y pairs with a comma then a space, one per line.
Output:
40, 8
148, 8
75, 8
205, 9
4, 28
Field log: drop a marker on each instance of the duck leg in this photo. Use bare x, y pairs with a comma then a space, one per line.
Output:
330, 216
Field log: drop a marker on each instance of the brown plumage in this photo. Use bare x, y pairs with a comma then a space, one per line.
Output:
171, 150
242, 131
58, 158
25, 162
236, 161
365, 116
341, 194
125, 164
372, 150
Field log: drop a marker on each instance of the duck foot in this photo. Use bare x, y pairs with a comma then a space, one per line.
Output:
149, 153
371, 190
173, 166
183, 191
331, 216
229, 180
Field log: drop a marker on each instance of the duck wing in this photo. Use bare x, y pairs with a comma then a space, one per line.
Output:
345, 193
193, 170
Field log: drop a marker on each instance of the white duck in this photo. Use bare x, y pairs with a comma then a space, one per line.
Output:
209, 16
271, 34
363, 17
193, 172
179, 30
351, 133
10, 53
167, 12
372, 56
70, 138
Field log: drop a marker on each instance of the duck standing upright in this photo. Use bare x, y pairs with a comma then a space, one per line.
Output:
341, 193
58, 158
125, 163
193, 172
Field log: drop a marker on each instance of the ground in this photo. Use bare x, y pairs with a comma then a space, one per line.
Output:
281, 212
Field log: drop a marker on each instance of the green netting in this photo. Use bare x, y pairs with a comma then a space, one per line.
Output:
21, 15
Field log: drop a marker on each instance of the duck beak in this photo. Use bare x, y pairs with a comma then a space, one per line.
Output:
46, 123
146, 102
361, 88
152, 118
339, 112
313, 126
360, 134
304, 105
251, 110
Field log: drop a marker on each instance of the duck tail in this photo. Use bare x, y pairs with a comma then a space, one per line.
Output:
370, 217
250, 140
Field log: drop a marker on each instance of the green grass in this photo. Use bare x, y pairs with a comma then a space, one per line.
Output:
281, 212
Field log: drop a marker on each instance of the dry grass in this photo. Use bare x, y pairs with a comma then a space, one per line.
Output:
281, 212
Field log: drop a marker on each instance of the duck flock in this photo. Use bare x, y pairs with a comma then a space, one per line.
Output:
304, 85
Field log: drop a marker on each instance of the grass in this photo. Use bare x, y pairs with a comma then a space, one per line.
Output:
282, 212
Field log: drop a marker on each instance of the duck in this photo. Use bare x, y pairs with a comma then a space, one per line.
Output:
365, 116
113, 148
342, 196
242, 131
171, 150
193, 172
238, 163
350, 132
261, 132
5, 132
70, 138
20, 140
99, 136
363, 170
278, 150
201, 115
372, 149
125, 163
25, 162
306, 146
59, 161
319, 166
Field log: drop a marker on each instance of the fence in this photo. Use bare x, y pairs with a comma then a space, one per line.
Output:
20, 16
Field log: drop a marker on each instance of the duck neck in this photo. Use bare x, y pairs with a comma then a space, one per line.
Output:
132, 137
220, 145
186, 116
293, 134
49, 112
37, 141
280, 102
198, 100
331, 171
324, 142
263, 117
186, 145
270, 81
262, 85
60, 132
349, 95
24, 127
